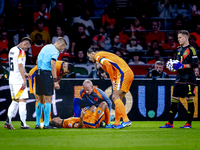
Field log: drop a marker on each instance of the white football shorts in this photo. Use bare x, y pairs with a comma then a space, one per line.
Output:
17, 92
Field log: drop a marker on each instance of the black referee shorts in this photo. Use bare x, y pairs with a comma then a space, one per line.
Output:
183, 90
44, 82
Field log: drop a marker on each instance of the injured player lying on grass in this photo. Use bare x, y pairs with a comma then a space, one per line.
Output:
90, 118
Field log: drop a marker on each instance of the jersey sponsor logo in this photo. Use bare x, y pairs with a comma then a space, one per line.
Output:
95, 99
186, 53
178, 53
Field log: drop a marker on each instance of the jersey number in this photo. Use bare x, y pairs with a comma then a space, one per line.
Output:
11, 64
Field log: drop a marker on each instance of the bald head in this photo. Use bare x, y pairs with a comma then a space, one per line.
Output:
88, 86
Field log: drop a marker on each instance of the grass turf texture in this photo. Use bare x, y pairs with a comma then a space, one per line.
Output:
143, 135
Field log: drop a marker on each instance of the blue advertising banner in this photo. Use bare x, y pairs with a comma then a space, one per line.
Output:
147, 100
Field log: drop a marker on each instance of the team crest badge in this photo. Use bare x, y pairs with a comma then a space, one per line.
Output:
70, 125
186, 53
98, 111
95, 99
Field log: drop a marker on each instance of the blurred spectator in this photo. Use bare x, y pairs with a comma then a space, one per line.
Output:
156, 57
80, 41
139, 31
135, 59
115, 42
60, 15
36, 48
102, 40
61, 33
123, 37
109, 17
65, 56
19, 15
81, 58
196, 9
98, 73
164, 8
41, 14
196, 72
178, 24
119, 54
133, 45
124, 52
85, 19
182, 7
4, 46
154, 46
40, 29
20, 34
155, 34
157, 72
196, 33
192, 41
170, 44
99, 7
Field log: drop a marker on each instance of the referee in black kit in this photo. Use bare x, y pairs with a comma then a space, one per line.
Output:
185, 80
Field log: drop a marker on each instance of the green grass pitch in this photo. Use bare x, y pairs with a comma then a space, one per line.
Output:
141, 135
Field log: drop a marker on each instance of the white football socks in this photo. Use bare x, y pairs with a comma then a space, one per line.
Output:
11, 110
22, 112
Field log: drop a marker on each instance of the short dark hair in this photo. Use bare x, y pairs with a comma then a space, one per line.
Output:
38, 34
70, 67
26, 39
93, 49
184, 32
82, 25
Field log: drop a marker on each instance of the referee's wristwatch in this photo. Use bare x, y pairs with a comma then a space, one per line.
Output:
55, 80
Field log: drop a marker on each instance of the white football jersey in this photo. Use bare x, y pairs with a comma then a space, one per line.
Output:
16, 56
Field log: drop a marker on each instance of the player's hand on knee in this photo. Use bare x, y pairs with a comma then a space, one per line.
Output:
56, 86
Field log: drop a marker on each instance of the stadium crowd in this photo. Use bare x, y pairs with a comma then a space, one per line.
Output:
142, 28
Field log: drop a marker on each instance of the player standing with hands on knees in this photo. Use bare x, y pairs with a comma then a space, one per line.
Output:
121, 77
185, 80
46, 79
17, 83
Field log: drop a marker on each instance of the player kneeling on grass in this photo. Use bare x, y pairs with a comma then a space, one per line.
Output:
90, 118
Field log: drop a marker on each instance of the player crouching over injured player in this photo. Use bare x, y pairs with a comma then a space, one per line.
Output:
90, 118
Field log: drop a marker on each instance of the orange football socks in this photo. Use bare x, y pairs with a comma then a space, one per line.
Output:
120, 111
107, 116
